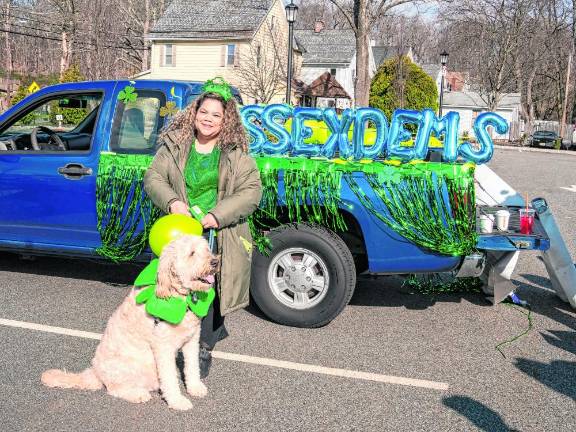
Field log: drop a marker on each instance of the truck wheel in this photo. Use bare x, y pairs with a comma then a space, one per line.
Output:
307, 279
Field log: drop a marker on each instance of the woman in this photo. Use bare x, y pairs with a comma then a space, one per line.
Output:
203, 167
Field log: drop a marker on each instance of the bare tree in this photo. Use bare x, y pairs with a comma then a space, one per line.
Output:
519, 46
406, 32
259, 78
311, 11
7, 29
141, 14
67, 11
361, 17
494, 26
41, 38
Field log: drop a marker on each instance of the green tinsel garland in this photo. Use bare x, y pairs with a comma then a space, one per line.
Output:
122, 206
311, 190
431, 204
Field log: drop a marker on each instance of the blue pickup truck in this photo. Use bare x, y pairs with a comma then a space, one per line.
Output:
51, 145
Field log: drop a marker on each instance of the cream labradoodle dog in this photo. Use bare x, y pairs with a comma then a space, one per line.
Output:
137, 354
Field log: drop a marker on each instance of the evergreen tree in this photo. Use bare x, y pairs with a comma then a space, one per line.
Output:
399, 83
72, 74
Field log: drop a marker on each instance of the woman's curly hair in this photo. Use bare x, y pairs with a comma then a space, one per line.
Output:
232, 135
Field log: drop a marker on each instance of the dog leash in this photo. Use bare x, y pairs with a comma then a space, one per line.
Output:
212, 239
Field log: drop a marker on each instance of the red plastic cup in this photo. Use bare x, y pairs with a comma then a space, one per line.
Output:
526, 220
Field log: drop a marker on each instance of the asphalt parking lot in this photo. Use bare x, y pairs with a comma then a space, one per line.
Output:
394, 360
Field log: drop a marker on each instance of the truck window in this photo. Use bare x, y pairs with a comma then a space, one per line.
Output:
57, 123
137, 124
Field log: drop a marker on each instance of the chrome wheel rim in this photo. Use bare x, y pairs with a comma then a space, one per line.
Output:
298, 278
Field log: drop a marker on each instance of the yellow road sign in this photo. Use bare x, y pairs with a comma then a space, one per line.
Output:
34, 87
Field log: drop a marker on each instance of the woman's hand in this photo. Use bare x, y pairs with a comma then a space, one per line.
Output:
209, 221
178, 207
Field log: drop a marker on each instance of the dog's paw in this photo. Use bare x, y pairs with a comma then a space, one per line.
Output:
181, 403
131, 395
197, 389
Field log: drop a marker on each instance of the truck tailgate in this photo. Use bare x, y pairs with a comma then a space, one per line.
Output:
512, 239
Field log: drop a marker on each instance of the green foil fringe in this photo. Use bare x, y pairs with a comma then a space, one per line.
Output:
430, 204
311, 190
125, 214
433, 206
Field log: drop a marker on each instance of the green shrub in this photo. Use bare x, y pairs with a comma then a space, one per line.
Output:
419, 90
71, 116
21, 94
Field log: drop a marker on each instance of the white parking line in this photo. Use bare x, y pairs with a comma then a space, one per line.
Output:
571, 188
302, 367
50, 329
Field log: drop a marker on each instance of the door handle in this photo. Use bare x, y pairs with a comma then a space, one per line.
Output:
74, 171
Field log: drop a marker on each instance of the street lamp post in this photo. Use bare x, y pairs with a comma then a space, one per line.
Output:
443, 61
291, 10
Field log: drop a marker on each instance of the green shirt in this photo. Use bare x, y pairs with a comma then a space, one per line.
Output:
201, 174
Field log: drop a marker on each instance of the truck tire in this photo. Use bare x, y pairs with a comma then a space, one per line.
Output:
307, 278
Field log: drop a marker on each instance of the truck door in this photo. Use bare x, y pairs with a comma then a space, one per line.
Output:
49, 153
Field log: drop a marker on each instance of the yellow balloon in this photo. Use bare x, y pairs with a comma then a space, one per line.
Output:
169, 228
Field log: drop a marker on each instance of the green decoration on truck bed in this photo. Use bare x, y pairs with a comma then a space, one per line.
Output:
430, 204
122, 205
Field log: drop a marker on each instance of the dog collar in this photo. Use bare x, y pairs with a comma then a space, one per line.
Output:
170, 309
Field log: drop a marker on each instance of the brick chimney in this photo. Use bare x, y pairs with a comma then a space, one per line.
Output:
319, 26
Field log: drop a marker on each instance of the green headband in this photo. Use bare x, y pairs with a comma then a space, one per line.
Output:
218, 86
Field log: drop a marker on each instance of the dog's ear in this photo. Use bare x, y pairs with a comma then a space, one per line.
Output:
164, 281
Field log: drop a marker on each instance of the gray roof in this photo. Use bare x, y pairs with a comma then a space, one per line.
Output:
384, 52
327, 46
211, 19
432, 70
474, 100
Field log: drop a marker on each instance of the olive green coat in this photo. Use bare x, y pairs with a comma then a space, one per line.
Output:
239, 193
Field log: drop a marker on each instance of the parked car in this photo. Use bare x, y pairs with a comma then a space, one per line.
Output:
544, 138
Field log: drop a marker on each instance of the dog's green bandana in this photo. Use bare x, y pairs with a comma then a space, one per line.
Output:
171, 309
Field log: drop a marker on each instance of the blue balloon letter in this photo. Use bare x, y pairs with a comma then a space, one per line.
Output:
339, 129
447, 125
486, 145
300, 132
379, 119
398, 134
269, 116
258, 137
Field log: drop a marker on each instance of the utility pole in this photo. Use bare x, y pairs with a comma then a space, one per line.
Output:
566, 91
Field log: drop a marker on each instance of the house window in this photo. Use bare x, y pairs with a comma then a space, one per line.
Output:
168, 55
258, 56
230, 55
333, 72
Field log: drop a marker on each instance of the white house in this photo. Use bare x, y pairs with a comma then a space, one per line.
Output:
332, 51
470, 104
239, 41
